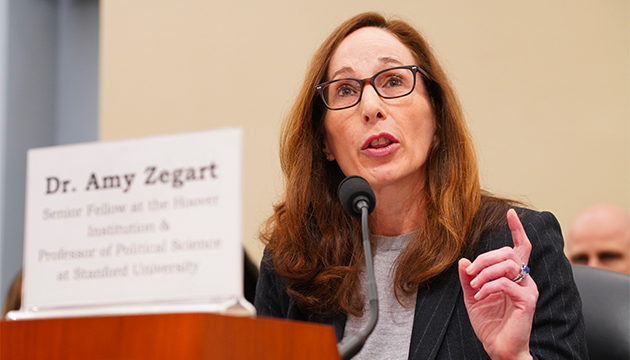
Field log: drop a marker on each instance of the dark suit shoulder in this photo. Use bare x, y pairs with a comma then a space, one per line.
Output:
271, 299
533, 222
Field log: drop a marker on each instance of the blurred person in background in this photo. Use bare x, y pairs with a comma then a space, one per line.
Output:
600, 237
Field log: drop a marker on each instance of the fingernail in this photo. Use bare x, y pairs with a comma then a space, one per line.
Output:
474, 283
469, 269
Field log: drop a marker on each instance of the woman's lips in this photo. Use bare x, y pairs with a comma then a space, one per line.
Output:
379, 145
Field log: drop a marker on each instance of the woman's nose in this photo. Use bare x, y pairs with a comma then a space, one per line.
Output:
371, 104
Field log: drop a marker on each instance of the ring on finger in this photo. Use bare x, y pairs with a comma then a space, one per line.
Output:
521, 274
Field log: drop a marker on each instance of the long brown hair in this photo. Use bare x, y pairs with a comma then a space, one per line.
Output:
316, 246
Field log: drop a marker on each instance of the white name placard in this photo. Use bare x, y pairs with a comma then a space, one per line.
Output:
143, 225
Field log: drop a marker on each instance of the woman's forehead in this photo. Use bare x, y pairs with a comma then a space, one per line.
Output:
367, 49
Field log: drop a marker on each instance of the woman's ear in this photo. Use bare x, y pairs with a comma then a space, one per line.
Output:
329, 155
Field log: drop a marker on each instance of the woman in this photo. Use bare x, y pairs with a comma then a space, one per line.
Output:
402, 129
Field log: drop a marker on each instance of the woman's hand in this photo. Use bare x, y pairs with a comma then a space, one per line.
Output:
501, 310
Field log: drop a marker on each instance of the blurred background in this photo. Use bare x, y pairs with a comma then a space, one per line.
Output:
545, 86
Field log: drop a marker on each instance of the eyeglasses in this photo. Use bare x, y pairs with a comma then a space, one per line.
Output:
389, 84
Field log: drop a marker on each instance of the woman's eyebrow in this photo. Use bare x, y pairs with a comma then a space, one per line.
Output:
390, 60
382, 59
344, 70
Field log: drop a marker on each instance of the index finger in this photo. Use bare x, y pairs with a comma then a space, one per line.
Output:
522, 246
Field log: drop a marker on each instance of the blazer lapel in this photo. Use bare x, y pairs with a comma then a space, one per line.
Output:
434, 307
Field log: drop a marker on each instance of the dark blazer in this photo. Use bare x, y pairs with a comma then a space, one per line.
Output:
441, 328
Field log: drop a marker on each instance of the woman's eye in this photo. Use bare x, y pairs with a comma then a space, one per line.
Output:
394, 80
346, 90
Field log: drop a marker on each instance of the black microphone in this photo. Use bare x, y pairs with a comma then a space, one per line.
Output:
358, 200
352, 190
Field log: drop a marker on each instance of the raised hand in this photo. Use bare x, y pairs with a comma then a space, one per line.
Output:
501, 310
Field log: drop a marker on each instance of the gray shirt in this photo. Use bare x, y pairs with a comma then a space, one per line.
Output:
392, 334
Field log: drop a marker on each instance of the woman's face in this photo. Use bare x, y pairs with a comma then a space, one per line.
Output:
386, 141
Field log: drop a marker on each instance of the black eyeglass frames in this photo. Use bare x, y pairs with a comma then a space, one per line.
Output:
389, 84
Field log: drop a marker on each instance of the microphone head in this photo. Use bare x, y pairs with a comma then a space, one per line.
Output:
350, 190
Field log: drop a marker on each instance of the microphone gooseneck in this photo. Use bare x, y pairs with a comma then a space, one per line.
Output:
358, 200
